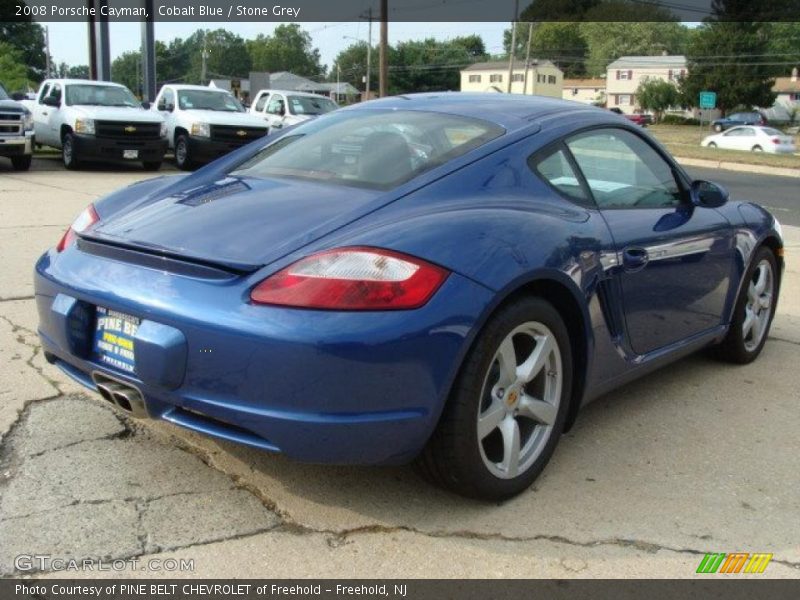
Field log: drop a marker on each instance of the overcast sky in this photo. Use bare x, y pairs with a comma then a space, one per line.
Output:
69, 43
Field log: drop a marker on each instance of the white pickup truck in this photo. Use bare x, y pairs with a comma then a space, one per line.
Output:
205, 123
16, 132
280, 108
97, 121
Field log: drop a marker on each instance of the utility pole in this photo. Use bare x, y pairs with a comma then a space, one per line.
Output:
203, 65
527, 58
383, 75
513, 46
47, 53
369, 53
338, 74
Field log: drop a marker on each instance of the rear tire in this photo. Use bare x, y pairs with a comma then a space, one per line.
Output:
754, 311
21, 163
182, 153
69, 152
500, 427
757, 149
712, 144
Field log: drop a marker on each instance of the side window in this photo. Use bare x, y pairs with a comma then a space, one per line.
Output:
624, 171
276, 105
262, 101
748, 131
556, 169
736, 131
55, 92
43, 92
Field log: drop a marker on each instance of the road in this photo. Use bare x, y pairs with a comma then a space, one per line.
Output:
781, 195
699, 457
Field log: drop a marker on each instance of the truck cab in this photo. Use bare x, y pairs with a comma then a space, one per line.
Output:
97, 121
205, 123
16, 132
280, 108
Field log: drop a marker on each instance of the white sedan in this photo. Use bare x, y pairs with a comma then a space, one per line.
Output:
752, 138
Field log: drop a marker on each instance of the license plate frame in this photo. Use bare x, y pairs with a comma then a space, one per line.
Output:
113, 343
130, 154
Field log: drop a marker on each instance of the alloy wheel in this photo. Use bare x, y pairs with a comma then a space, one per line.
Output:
758, 308
519, 400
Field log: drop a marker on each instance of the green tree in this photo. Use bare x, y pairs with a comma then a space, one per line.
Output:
657, 95
742, 81
13, 74
227, 55
125, 69
430, 65
561, 43
27, 38
607, 41
289, 48
78, 72
783, 44
352, 64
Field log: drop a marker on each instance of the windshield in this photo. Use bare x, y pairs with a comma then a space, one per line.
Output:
3, 93
370, 148
100, 95
208, 100
310, 105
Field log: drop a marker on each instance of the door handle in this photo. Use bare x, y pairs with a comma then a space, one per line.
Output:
634, 258
44, 114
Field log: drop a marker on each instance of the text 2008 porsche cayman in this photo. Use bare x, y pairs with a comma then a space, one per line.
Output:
441, 278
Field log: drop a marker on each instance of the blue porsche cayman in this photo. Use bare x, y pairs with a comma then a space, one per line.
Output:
439, 278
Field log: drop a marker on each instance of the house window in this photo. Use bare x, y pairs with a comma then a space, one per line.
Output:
574, 91
624, 99
497, 78
540, 78
624, 75
551, 79
517, 77
794, 97
474, 78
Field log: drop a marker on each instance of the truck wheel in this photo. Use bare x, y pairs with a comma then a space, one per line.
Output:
69, 152
152, 165
21, 163
182, 157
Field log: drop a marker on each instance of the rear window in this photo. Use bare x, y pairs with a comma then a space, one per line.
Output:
370, 148
771, 131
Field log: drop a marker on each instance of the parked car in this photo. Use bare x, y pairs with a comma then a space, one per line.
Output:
16, 132
739, 118
205, 123
641, 120
315, 296
281, 108
755, 139
97, 121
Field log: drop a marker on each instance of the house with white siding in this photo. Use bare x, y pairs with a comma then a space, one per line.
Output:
624, 75
543, 78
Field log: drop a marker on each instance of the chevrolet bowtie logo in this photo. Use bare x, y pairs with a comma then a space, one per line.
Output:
241, 133
130, 129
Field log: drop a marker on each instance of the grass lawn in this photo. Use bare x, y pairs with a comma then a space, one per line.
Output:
684, 141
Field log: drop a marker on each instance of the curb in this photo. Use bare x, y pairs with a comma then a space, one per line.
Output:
741, 167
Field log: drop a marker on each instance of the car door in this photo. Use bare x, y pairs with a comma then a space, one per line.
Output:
732, 139
261, 104
746, 139
41, 113
165, 106
276, 110
675, 259
52, 116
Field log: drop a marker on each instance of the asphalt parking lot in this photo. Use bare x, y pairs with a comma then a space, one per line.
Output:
700, 457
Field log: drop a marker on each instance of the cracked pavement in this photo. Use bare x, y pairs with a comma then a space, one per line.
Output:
699, 457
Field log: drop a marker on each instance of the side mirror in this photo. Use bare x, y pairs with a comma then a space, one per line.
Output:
50, 101
707, 194
146, 105
169, 107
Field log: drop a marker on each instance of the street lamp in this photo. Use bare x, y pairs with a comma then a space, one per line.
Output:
369, 57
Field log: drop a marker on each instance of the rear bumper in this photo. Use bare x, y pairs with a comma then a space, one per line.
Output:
317, 386
91, 147
16, 146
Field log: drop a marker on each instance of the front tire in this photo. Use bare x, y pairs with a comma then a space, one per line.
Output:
182, 153
712, 144
754, 310
69, 152
21, 163
508, 405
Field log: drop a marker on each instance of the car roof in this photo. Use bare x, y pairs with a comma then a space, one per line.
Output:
185, 86
292, 93
510, 111
83, 82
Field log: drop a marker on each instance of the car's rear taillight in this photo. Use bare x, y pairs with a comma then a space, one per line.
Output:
83, 221
355, 278
776, 141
